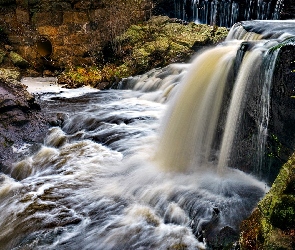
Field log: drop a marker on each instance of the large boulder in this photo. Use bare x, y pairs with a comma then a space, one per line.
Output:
21, 122
272, 224
18, 60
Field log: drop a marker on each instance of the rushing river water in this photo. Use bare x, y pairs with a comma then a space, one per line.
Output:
94, 184
138, 167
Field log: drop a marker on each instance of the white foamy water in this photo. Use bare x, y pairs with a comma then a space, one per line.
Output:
93, 185
39, 85
136, 167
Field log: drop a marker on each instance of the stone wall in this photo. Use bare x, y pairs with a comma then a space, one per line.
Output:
53, 32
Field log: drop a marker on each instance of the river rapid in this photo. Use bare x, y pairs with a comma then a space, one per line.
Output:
95, 184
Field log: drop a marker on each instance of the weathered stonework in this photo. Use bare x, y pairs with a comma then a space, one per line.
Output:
66, 25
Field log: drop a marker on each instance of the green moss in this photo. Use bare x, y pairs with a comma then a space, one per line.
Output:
277, 209
154, 43
18, 60
288, 41
283, 213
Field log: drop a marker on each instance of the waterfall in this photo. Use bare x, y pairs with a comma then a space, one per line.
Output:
162, 161
227, 12
205, 124
190, 126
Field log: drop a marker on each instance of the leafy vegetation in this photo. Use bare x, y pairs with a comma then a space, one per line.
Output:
150, 44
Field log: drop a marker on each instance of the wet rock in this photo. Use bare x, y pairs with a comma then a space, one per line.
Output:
18, 60
272, 224
10, 74
21, 121
48, 73
2, 55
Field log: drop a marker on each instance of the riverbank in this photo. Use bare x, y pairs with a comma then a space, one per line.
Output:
22, 122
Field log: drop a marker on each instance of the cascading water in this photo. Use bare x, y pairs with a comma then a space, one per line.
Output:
107, 179
227, 12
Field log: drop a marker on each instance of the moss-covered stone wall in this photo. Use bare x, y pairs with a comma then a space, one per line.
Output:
68, 26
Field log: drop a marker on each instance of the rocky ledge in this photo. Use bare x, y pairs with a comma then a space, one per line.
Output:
21, 122
272, 224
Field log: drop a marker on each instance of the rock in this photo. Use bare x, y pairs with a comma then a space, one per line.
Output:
10, 74
288, 11
32, 73
18, 60
2, 55
272, 224
8, 47
21, 121
48, 73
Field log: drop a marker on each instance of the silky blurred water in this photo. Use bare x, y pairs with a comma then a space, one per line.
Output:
93, 184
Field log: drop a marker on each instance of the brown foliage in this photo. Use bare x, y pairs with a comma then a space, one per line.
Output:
119, 15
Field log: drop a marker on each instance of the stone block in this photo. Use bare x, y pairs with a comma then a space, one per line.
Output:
78, 50
22, 15
96, 14
28, 52
79, 61
58, 40
61, 6
22, 3
75, 28
47, 19
83, 5
16, 39
62, 51
79, 17
77, 39
48, 30
63, 30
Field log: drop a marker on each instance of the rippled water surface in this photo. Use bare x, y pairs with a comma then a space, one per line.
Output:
93, 184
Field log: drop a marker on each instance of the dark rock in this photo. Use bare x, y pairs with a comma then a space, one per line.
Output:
48, 73
21, 121
2, 55
272, 224
18, 60
288, 11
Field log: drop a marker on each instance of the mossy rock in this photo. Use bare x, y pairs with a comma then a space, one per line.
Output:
272, 225
10, 75
283, 213
155, 43
2, 55
18, 60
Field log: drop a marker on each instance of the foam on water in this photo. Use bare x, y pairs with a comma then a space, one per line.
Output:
92, 185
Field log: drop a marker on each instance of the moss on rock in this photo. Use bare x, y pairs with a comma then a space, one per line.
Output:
2, 55
155, 43
18, 60
272, 224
